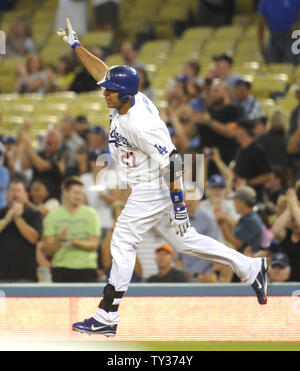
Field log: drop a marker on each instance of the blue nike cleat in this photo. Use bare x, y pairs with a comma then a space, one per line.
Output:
92, 326
260, 285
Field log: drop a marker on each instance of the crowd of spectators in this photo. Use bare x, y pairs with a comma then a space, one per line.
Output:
58, 205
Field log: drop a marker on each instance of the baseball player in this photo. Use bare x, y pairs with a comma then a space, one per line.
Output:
138, 137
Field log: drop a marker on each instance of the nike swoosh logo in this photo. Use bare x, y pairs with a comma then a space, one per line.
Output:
259, 284
93, 328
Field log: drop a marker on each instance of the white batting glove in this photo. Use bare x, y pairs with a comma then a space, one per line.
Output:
68, 35
180, 219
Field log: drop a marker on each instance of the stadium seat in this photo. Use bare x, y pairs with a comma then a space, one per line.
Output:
9, 65
114, 59
93, 94
229, 32
197, 33
12, 121
264, 85
65, 96
97, 38
170, 12
101, 119
19, 108
46, 15
246, 68
155, 47
25, 4
243, 20
186, 47
296, 74
267, 105
251, 32
146, 12
244, 6
43, 121
288, 104
247, 50
281, 68
247, 46
7, 83
50, 4
7, 98
50, 108
41, 32
168, 71
50, 53
164, 30
218, 46
12, 16
291, 92
30, 98
85, 108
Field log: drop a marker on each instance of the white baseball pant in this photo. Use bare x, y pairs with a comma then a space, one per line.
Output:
148, 207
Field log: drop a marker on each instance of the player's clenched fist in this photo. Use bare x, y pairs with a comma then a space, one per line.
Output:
68, 35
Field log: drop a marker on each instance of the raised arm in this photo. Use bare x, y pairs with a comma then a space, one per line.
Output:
95, 66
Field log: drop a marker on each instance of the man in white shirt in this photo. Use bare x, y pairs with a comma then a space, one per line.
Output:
148, 162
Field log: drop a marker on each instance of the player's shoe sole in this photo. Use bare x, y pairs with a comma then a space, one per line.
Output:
93, 327
260, 285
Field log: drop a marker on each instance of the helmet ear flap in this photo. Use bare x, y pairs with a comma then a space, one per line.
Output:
126, 98
124, 95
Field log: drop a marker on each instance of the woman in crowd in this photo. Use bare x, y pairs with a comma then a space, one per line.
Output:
33, 77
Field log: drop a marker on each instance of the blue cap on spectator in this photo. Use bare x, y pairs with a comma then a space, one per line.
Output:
97, 130
7, 139
197, 105
216, 180
280, 259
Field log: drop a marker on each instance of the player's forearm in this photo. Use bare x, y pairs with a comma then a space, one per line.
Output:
95, 66
174, 185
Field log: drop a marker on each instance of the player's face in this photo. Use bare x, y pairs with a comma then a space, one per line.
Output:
112, 98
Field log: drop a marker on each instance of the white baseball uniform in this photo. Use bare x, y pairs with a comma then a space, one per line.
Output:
135, 138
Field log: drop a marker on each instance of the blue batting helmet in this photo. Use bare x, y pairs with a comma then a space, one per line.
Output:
125, 79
